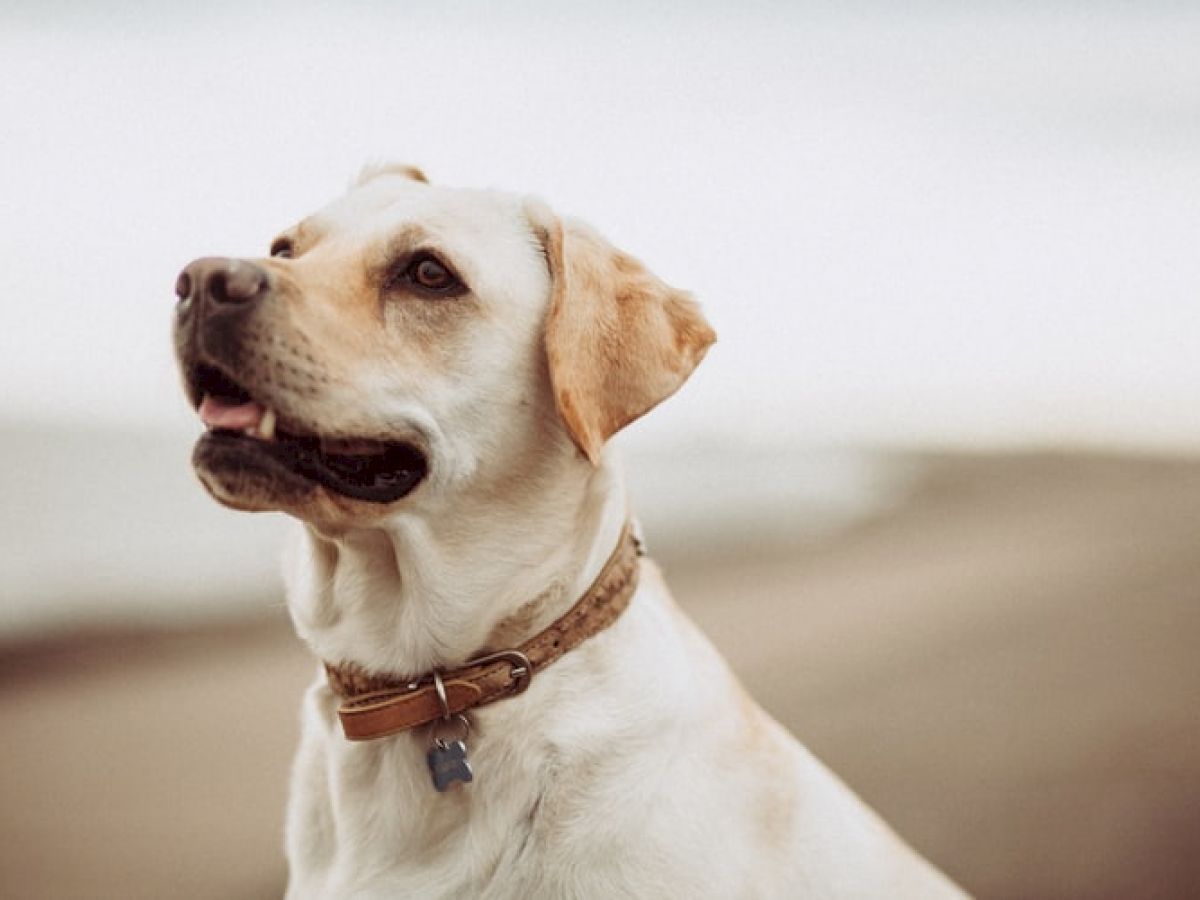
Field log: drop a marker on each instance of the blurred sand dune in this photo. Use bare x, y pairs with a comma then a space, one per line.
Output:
1004, 664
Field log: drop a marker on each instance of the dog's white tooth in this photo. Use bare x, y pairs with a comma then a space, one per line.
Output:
266, 425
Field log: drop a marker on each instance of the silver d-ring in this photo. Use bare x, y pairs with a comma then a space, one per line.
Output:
460, 719
440, 687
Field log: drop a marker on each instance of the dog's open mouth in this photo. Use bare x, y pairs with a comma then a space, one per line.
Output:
364, 469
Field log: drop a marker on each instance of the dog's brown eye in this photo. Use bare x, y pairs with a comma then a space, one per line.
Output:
427, 273
282, 248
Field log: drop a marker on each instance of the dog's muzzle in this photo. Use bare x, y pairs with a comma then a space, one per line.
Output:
228, 350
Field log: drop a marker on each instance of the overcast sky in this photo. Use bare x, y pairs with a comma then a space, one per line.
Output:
965, 223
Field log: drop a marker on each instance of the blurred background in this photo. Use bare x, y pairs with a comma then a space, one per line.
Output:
935, 492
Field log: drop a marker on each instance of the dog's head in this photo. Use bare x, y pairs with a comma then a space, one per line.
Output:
411, 338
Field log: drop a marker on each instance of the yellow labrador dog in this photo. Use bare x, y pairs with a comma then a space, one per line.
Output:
511, 705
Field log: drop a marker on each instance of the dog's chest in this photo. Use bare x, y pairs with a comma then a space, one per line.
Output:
388, 832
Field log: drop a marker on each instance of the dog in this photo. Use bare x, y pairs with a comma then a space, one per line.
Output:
511, 706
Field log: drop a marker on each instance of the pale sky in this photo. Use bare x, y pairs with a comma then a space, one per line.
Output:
965, 226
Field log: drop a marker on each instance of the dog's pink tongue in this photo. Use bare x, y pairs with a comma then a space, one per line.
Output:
216, 414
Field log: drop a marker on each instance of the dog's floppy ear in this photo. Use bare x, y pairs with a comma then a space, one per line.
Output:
619, 340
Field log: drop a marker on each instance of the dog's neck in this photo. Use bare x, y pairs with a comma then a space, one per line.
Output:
433, 590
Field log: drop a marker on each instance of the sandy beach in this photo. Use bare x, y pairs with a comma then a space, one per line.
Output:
1004, 664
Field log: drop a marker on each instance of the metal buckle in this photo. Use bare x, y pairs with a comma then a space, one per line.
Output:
521, 671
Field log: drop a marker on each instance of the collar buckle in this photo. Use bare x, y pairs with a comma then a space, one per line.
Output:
521, 670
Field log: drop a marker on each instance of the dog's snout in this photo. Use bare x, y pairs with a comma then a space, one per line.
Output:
221, 281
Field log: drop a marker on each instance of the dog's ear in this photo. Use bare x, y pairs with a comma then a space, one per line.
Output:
619, 340
374, 170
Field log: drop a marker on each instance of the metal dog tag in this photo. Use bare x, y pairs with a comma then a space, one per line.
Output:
448, 763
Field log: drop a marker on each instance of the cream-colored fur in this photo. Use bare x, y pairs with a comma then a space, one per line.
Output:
635, 766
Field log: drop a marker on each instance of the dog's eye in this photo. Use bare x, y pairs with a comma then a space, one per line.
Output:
428, 274
282, 248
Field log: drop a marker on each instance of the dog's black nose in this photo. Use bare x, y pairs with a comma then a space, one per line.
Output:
221, 281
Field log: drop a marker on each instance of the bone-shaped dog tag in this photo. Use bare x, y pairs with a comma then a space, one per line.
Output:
448, 763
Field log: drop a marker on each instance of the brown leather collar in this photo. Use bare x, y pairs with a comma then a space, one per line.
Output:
376, 706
